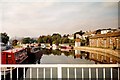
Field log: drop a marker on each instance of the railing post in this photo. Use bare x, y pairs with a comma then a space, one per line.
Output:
89, 73
68, 73
24, 73
17, 73
118, 73
104, 73
11, 73
111, 74
59, 73
37, 73
82, 74
30, 73
44, 73
51, 73
75, 73
96, 73
4, 74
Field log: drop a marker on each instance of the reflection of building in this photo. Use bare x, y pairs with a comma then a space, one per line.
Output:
81, 54
77, 54
108, 40
54, 46
103, 58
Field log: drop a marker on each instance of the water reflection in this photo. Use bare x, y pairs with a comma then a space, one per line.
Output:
102, 58
98, 58
81, 54
58, 52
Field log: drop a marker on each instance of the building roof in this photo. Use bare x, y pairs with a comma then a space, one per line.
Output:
112, 34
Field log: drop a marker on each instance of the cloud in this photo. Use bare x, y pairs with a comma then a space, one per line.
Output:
64, 17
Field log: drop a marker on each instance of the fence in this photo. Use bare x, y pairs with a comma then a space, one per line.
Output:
60, 67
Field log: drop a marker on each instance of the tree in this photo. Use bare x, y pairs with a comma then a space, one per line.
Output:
26, 40
40, 40
80, 33
86, 41
45, 39
56, 38
71, 41
65, 40
4, 38
33, 40
14, 42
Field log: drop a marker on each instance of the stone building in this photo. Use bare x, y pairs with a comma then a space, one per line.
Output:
108, 40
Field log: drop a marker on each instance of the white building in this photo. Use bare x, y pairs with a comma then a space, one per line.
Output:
77, 42
105, 31
71, 37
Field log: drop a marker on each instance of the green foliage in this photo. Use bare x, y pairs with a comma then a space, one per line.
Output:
14, 42
40, 40
28, 40
55, 39
65, 40
71, 41
54, 42
4, 38
45, 39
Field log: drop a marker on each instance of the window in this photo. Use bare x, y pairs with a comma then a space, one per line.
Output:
110, 41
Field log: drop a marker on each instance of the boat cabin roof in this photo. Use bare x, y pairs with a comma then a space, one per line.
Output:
14, 50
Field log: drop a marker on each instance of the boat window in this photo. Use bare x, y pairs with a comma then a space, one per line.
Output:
20, 54
35, 49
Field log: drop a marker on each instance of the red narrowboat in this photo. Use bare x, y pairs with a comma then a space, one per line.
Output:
14, 56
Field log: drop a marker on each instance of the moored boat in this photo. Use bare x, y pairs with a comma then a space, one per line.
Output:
66, 47
13, 56
35, 54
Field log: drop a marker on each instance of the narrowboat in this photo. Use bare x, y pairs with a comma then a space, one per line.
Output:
36, 54
13, 56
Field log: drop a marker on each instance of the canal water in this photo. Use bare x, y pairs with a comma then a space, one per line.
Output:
69, 56
66, 56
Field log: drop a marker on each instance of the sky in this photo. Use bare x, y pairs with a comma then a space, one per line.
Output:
30, 18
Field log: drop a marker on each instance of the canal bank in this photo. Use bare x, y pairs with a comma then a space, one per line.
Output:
101, 50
